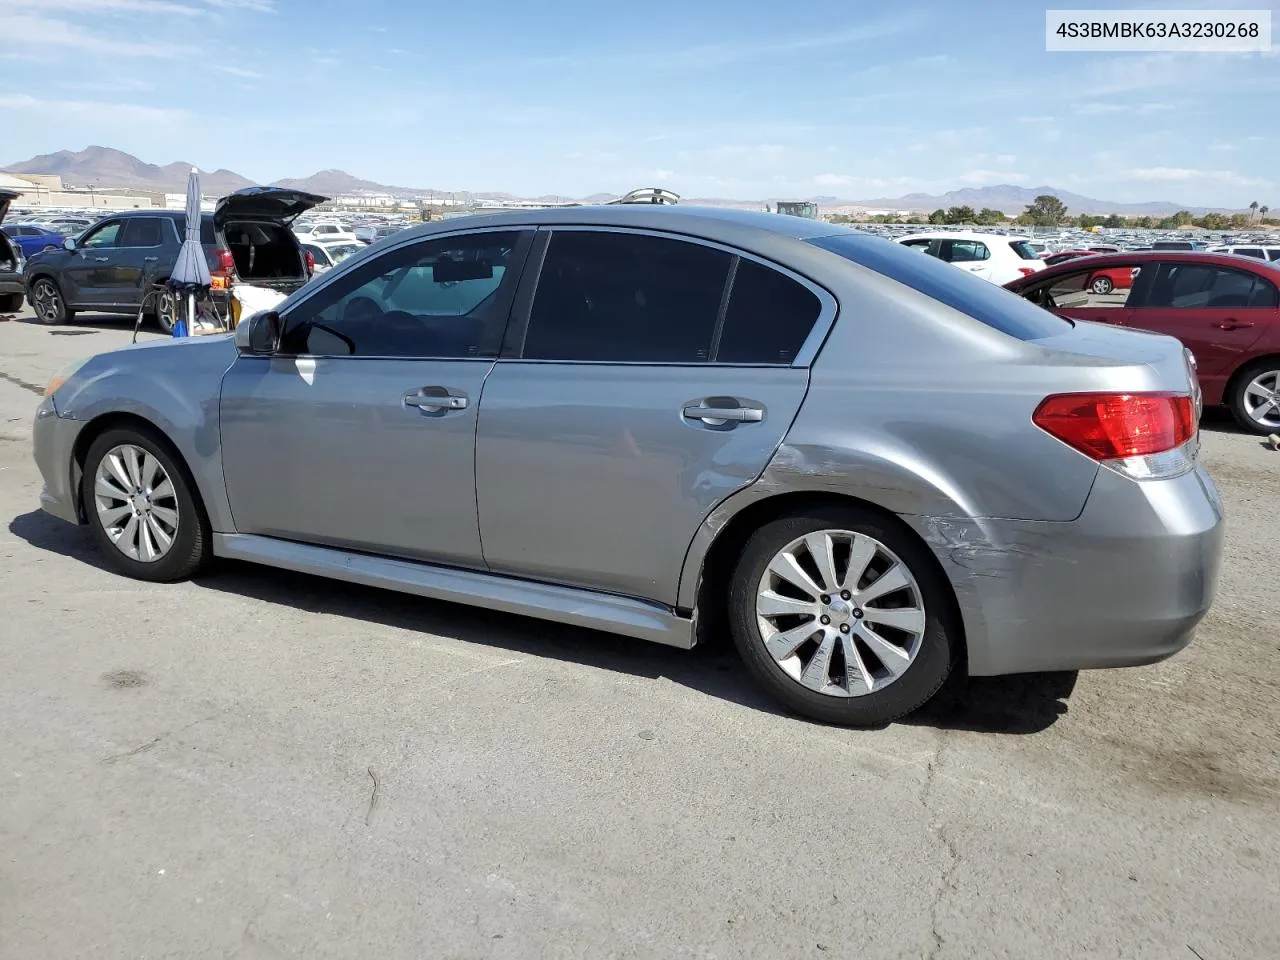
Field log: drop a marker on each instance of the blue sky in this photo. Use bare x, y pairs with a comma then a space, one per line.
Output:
710, 98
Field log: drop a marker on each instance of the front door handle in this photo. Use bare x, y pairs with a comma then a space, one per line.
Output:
718, 415
150, 259
1231, 323
102, 259
434, 400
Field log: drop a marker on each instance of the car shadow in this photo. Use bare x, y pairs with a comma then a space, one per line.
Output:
87, 323
1001, 705
1220, 420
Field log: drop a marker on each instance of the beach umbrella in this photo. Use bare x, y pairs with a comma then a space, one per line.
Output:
190, 277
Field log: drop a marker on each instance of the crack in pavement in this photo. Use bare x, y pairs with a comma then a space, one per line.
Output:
946, 883
19, 382
144, 747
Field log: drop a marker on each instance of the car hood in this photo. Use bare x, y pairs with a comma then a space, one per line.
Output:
265, 203
6, 198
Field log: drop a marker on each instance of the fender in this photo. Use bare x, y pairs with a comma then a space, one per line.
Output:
178, 394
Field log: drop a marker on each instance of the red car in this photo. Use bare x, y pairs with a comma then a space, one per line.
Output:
1225, 309
1102, 282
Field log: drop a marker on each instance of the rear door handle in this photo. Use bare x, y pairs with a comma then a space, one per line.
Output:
102, 259
1233, 324
150, 259
724, 414
435, 399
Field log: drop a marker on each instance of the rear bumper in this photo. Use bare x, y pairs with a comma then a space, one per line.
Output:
11, 283
52, 440
1124, 584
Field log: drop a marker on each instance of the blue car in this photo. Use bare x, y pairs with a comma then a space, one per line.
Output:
31, 238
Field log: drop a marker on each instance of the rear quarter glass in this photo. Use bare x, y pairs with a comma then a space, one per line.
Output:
984, 301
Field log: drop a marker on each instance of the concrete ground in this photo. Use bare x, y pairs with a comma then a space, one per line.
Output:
267, 765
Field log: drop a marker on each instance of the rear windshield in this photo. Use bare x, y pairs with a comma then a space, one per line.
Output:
1024, 250
971, 295
1172, 245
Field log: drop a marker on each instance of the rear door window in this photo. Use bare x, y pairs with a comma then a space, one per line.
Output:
980, 299
617, 297
963, 251
1194, 286
141, 232
768, 319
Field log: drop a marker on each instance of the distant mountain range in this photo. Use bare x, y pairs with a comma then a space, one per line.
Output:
105, 168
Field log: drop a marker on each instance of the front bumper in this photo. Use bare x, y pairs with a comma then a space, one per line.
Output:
53, 439
1124, 584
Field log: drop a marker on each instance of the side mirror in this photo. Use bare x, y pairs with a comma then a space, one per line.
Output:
69, 243
259, 333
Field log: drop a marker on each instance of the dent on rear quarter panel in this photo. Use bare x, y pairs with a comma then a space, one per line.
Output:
175, 385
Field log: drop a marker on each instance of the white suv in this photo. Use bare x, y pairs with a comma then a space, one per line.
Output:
324, 230
1259, 251
990, 256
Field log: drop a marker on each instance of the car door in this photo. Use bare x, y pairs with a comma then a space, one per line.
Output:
359, 432
647, 378
972, 256
136, 259
1218, 312
88, 274
1077, 295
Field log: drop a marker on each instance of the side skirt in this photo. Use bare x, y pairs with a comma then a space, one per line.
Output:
580, 608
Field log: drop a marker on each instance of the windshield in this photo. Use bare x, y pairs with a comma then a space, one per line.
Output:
1024, 250
340, 252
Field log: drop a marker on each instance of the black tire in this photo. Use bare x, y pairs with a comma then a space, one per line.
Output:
165, 311
48, 303
939, 642
1237, 401
190, 550
1102, 285
11, 303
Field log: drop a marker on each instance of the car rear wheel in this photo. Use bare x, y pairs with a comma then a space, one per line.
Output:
142, 507
166, 309
1255, 397
47, 302
842, 616
1102, 285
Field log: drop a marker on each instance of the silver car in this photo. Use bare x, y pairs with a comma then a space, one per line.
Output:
867, 466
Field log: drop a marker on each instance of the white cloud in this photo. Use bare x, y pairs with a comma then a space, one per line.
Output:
1223, 147
832, 180
254, 6
977, 177
1007, 158
237, 71
1187, 174
97, 111
163, 7
39, 31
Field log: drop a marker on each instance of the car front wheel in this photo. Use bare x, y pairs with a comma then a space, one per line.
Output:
842, 616
1255, 397
142, 507
166, 309
1102, 285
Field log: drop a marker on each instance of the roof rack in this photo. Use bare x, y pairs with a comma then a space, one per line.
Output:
648, 195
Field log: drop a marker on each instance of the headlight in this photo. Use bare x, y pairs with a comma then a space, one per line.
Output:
63, 375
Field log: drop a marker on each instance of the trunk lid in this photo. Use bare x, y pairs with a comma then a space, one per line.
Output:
6, 198
277, 204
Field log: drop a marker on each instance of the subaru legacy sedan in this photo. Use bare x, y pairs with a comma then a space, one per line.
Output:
868, 467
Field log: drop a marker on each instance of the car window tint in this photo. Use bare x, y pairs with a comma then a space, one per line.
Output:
624, 297
317, 254
1193, 286
1255, 252
963, 251
1024, 250
104, 236
1264, 294
980, 299
1100, 287
438, 298
768, 318
141, 232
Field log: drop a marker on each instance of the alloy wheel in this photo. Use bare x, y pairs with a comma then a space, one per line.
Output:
166, 311
1262, 399
1102, 285
136, 503
47, 301
840, 613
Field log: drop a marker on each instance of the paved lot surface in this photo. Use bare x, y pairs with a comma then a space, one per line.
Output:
267, 765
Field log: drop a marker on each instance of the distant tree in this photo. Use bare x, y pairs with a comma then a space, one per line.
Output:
1114, 221
960, 215
1183, 218
938, 216
1046, 211
1262, 212
1145, 222
1087, 220
1213, 221
917, 218
989, 217
1253, 209
1239, 221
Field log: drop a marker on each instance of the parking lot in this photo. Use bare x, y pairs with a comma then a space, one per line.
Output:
263, 764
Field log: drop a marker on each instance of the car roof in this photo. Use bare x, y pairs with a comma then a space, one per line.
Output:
1248, 264
725, 224
966, 235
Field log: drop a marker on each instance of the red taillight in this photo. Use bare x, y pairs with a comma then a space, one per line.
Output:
1113, 426
226, 262
311, 261
1026, 271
